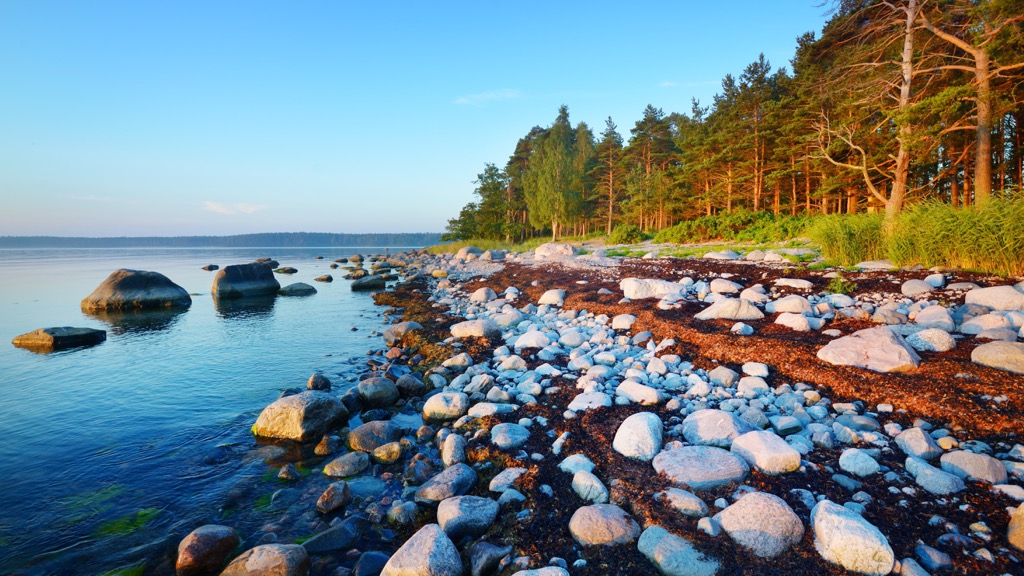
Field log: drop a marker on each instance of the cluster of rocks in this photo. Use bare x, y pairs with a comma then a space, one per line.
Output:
703, 430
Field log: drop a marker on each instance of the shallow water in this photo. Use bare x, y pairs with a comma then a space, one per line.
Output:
156, 419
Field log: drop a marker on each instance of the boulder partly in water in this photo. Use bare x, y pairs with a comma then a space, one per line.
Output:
128, 289
244, 280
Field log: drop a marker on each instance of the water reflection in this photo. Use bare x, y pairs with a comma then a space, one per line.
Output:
249, 308
137, 321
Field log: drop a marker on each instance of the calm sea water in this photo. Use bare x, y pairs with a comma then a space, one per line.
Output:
156, 419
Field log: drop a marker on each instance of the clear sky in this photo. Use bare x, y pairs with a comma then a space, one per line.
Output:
165, 118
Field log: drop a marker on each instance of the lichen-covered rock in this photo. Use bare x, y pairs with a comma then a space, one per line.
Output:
128, 289
700, 467
878, 349
394, 333
712, 427
1006, 356
639, 436
48, 339
603, 525
762, 523
302, 417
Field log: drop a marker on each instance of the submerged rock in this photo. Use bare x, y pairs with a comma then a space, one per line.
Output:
128, 289
205, 550
297, 289
49, 339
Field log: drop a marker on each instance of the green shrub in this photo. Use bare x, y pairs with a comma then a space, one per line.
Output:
762, 227
840, 285
626, 234
848, 238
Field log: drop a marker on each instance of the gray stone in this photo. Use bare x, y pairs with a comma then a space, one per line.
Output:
482, 295
453, 481
877, 349
931, 340
128, 289
340, 536
301, 417
371, 282
446, 406
372, 435
589, 487
205, 550
603, 525
508, 436
997, 298
378, 392
1006, 356
639, 436
915, 288
245, 280
723, 376
347, 465
932, 559
485, 557
48, 339
552, 298
453, 450
843, 537
395, 333
918, 443
763, 523
675, 556
428, 553
685, 502
461, 516
1015, 531
730, 309
318, 382
713, 428
794, 304
553, 250
644, 288
858, 462
700, 467
935, 317
723, 286
480, 328
969, 465
271, 560
767, 452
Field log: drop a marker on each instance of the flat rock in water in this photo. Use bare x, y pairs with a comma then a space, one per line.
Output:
878, 349
675, 556
730, 309
712, 427
49, 339
762, 523
845, 538
378, 392
997, 297
428, 553
205, 550
347, 465
271, 560
372, 282
245, 280
446, 406
128, 289
302, 417
603, 525
297, 289
341, 536
700, 467
639, 436
372, 435
1006, 356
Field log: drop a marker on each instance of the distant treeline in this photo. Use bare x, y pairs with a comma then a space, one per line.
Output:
264, 240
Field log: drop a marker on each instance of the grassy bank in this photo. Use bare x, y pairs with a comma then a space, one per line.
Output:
988, 239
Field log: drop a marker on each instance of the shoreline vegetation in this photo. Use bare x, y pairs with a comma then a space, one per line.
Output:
588, 415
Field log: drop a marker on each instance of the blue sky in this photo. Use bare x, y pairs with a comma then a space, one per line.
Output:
178, 118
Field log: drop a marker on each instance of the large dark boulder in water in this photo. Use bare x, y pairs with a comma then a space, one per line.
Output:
302, 417
49, 339
243, 280
136, 290
369, 283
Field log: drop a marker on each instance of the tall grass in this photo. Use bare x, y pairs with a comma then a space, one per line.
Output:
848, 238
989, 239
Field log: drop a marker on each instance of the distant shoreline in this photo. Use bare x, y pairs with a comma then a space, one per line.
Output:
261, 240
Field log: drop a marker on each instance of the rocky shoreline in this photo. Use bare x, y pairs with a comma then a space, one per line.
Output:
551, 413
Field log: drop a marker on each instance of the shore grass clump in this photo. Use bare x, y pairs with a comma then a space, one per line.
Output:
627, 234
848, 238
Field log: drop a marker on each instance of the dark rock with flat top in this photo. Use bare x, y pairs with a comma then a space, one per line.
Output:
244, 280
128, 289
373, 282
49, 339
